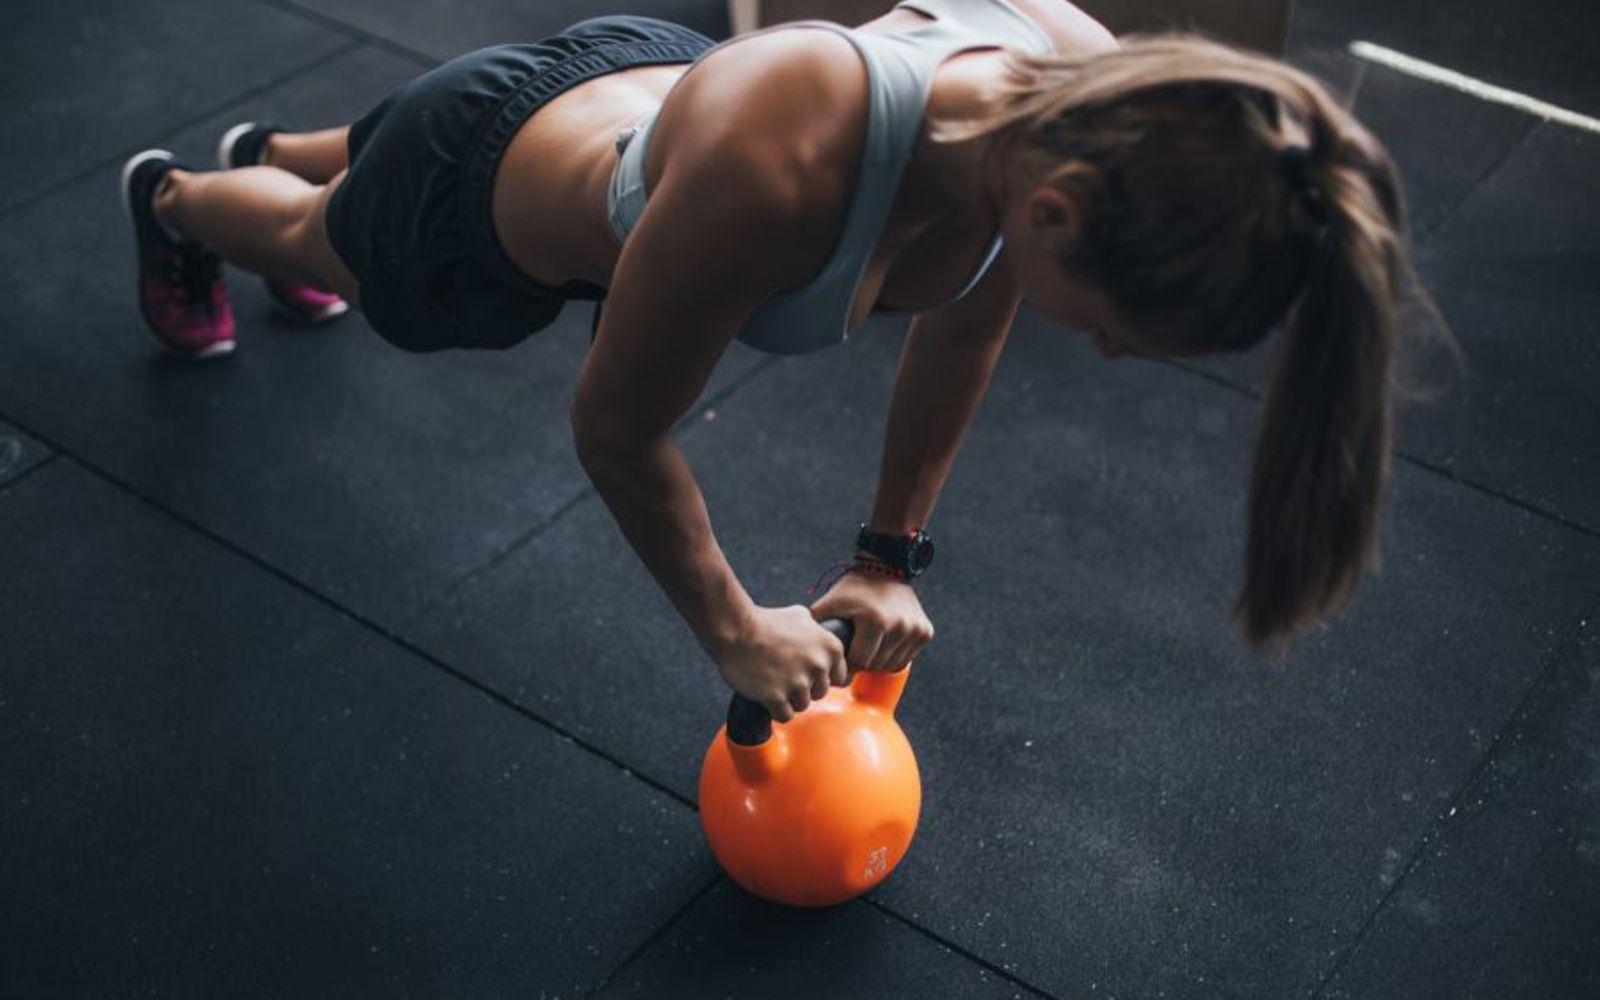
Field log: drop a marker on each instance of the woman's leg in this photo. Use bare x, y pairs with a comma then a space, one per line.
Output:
264, 219
317, 157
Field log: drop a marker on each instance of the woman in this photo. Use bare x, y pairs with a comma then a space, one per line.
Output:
951, 159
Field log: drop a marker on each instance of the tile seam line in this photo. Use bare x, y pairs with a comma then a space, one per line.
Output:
1417, 462
892, 913
1425, 239
332, 55
1472, 779
952, 946
1489, 491
392, 637
656, 935
685, 425
30, 470
355, 32
867, 900
436, 600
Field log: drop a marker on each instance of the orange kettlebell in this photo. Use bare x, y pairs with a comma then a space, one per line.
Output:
820, 809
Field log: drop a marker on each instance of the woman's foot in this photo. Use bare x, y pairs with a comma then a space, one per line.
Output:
245, 145
306, 303
181, 292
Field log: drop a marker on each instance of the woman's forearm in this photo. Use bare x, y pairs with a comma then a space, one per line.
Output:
652, 493
941, 380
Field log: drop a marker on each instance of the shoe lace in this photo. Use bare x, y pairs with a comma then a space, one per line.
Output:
194, 272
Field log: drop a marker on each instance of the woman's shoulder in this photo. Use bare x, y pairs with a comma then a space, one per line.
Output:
1072, 31
786, 110
790, 99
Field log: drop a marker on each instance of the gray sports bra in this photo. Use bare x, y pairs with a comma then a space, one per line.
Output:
900, 68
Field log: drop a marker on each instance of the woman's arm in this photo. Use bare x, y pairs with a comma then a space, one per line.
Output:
945, 367
720, 234
944, 370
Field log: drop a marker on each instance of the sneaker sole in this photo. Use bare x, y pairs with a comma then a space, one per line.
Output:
226, 143
327, 314
128, 168
222, 347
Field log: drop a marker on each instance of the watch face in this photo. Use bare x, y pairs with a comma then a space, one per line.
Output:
921, 554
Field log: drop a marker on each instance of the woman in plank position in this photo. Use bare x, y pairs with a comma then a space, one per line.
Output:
950, 159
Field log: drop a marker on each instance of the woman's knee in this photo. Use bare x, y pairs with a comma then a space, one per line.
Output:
318, 250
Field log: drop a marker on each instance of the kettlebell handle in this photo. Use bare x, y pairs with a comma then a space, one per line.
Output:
749, 724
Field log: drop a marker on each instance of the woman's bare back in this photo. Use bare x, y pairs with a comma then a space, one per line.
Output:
550, 193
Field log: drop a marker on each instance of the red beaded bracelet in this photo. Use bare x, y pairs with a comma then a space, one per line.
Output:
882, 569
831, 575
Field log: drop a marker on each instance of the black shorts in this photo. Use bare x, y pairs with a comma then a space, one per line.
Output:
412, 219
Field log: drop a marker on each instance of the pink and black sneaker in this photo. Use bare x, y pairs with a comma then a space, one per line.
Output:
242, 146
181, 292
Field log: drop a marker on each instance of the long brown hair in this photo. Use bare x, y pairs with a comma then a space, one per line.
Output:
1227, 193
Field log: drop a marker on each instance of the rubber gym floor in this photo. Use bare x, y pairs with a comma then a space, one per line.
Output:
325, 672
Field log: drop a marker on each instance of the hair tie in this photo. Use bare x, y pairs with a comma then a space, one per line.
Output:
1295, 161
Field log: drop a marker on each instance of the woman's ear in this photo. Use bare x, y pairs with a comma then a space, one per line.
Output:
1054, 214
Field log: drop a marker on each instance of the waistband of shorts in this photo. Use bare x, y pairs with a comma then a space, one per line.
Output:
478, 172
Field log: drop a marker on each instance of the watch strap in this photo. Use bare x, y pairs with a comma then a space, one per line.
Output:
894, 551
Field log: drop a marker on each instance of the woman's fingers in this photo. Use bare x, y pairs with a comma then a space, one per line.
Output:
820, 678
894, 656
866, 643
878, 644
800, 697
901, 645
902, 654
838, 664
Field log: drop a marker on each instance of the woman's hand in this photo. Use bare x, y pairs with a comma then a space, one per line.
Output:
891, 626
783, 660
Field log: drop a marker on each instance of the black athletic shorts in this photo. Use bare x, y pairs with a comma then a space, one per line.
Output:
412, 219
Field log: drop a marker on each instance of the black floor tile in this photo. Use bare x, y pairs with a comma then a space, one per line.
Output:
1514, 270
86, 79
214, 785
731, 945
18, 453
446, 28
373, 474
1115, 792
1542, 47
1505, 902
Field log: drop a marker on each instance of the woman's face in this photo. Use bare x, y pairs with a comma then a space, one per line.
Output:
1073, 304
1036, 229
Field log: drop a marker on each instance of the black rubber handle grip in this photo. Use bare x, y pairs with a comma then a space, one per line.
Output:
749, 724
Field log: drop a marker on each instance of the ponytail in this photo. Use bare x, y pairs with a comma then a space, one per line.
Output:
1322, 454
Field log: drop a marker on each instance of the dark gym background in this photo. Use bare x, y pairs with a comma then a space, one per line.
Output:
324, 673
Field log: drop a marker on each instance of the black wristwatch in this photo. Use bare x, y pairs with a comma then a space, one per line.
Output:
908, 554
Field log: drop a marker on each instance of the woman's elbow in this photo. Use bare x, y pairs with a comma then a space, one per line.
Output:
604, 445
